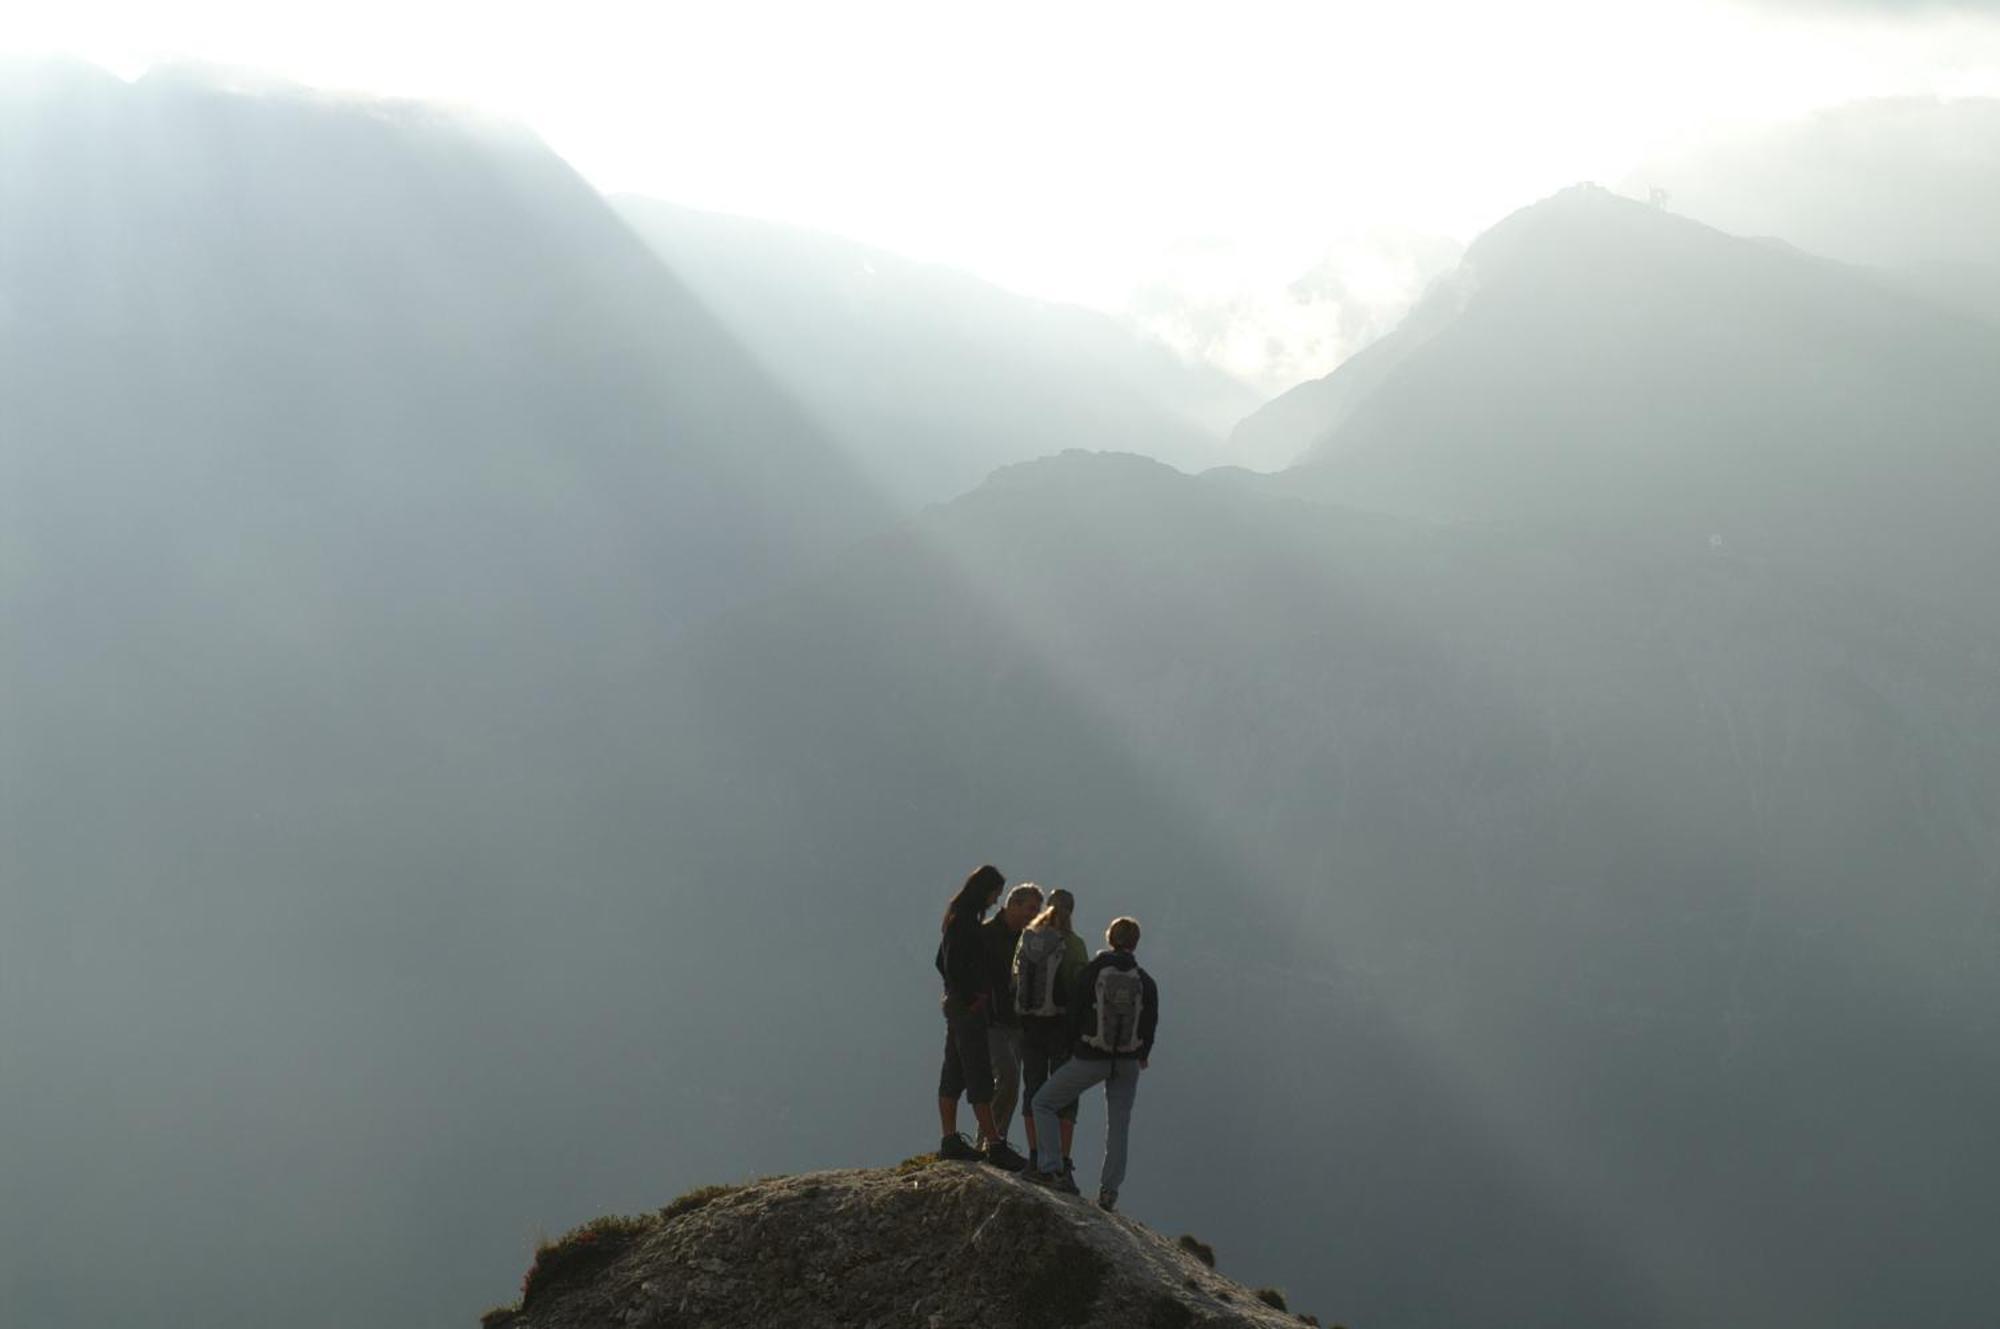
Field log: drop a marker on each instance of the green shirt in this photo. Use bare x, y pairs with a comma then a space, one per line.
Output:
1075, 957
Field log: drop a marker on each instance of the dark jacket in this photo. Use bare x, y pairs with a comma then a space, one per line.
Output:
1083, 1007
961, 960
997, 942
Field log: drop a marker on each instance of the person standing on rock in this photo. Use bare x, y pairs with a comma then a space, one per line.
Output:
1046, 963
1113, 1015
968, 1002
1000, 934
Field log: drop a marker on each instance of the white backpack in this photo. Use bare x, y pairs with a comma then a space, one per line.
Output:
1037, 960
1121, 1000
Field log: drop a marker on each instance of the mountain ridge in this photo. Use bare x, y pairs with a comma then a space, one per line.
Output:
1607, 367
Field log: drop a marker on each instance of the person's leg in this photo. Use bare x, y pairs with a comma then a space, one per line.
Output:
951, 1083
1034, 1071
983, 1114
976, 1067
1068, 1113
1121, 1090
1004, 1047
1061, 1089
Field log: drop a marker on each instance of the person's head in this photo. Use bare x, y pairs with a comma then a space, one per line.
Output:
981, 889
1057, 914
1022, 902
1123, 934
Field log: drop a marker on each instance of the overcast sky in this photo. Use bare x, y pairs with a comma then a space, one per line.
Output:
1108, 154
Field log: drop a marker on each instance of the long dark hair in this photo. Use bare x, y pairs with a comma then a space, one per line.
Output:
981, 889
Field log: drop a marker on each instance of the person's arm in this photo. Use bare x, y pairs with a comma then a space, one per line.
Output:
997, 945
1149, 1018
965, 966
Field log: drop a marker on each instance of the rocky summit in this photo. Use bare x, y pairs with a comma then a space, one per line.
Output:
926, 1244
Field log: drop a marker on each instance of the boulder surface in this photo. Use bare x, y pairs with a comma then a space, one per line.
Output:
926, 1244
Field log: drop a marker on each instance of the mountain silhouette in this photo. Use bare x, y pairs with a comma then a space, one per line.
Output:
1602, 366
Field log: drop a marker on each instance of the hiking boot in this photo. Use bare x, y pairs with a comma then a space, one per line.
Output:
1055, 1181
1000, 1154
957, 1149
1106, 1200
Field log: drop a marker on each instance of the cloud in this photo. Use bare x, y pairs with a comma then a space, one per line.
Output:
1218, 300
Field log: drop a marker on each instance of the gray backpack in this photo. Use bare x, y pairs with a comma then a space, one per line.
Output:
1036, 962
1121, 1000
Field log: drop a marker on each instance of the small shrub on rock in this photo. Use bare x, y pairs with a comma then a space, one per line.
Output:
1273, 1298
581, 1253
695, 1199
1198, 1248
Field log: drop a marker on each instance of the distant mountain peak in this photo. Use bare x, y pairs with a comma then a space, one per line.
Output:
1587, 223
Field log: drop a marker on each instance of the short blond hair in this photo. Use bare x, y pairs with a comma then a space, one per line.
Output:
1123, 934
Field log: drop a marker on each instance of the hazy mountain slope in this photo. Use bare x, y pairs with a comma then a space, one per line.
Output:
1540, 923
1283, 430
240, 303
1612, 368
354, 458
931, 378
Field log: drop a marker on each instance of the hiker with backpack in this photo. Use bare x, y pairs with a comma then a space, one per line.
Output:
1112, 1017
1046, 963
968, 1005
1000, 933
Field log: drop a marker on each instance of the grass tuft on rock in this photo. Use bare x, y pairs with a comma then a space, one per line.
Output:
695, 1199
581, 1253
1198, 1248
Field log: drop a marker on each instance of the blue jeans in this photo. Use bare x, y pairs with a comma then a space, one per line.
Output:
1120, 1078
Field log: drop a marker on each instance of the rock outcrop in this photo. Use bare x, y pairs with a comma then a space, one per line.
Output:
929, 1245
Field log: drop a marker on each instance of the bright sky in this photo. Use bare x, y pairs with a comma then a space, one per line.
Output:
1081, 151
